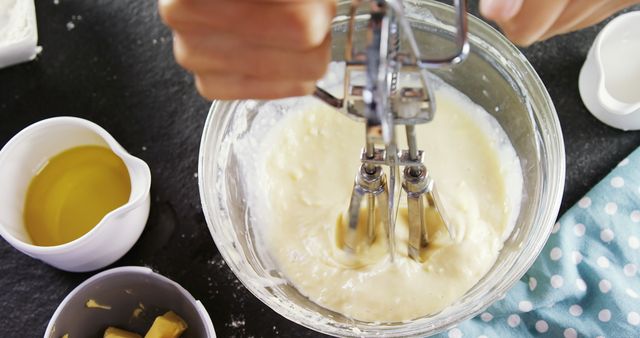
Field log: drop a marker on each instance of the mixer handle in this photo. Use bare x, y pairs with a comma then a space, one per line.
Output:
461, 39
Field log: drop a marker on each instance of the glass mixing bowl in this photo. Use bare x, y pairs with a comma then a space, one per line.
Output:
497, 77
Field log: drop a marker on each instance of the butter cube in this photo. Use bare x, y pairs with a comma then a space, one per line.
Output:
169, 325
113, 332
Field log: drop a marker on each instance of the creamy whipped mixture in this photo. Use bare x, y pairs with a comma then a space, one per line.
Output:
306, 173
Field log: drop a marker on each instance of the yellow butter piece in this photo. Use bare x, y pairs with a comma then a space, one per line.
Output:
169, 325
136, 312
113, 332
93, 304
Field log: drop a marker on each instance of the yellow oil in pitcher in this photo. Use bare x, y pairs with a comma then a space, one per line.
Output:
73, 192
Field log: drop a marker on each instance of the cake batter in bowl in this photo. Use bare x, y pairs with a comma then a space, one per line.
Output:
235, 146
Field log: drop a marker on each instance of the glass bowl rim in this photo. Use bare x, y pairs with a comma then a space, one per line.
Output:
551, 148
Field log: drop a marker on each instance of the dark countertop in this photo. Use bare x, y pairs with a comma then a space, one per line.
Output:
115, 67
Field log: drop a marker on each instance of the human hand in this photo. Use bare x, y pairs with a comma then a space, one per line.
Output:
528, 21
259, 49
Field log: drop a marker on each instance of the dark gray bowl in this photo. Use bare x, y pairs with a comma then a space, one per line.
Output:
123, 289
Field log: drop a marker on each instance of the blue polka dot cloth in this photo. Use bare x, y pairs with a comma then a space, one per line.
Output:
585, 283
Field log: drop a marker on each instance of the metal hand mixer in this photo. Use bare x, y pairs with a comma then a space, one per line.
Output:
382, 103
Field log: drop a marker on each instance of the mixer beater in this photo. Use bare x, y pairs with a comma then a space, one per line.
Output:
383, 102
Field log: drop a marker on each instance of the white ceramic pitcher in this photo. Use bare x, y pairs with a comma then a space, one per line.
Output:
112, 237
610, 78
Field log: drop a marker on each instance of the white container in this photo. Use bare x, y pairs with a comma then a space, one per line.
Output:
123, 289
18, 32
609, 80
25, 154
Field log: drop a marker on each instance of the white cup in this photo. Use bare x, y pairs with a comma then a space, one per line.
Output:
124, 289
609, 78
112, 237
